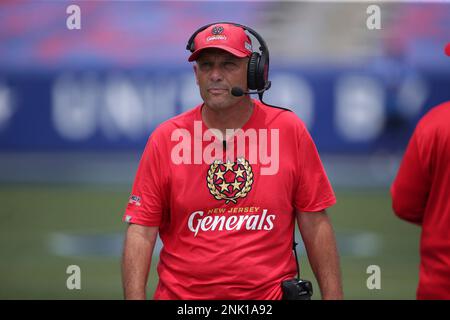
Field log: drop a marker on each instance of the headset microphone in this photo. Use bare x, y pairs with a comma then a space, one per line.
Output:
239, 92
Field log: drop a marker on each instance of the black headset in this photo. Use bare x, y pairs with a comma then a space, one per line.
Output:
258, 64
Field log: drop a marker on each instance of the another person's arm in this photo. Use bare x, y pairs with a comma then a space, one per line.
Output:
318, 237
412, 184
136, 260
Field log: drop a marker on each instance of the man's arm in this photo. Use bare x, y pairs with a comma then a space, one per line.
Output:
137, 255
318, 237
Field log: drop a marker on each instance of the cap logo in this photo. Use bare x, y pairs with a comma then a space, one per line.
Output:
217, 30
217, 37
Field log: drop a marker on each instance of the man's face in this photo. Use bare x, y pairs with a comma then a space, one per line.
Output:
216, 72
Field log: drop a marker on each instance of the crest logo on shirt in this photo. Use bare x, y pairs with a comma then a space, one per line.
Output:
231, 180
135, 200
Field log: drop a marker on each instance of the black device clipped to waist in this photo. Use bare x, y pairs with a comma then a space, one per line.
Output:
296, 288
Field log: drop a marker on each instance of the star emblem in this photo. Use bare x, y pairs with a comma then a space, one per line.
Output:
219, 174
230, 186
236, 185
228, 165
239, 173
224, 186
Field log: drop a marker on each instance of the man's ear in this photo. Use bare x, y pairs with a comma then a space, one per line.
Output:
195, 71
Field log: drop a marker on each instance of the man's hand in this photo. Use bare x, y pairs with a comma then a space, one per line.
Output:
136, 260
318, 237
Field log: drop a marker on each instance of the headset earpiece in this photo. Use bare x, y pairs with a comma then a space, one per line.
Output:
262, 72
252, 72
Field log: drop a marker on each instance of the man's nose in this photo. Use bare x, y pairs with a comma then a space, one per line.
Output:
216, 74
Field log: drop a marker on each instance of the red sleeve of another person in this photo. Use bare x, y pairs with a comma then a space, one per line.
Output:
411, 186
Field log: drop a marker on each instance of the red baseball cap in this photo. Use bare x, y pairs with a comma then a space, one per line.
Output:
227, 37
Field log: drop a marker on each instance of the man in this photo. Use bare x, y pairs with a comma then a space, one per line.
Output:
421, 195
223, 184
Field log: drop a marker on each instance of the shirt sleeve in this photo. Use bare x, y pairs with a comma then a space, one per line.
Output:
146, 203
314, 192
411, 186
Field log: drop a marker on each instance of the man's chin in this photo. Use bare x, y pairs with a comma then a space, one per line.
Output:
218, 104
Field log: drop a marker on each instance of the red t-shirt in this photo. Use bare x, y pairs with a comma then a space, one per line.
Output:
226, 227
421, 194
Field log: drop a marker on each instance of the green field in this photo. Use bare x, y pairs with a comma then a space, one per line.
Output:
30, 215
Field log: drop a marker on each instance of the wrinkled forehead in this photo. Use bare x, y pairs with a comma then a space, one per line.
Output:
215, 53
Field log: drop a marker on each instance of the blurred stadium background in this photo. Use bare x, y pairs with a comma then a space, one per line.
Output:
76, 108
